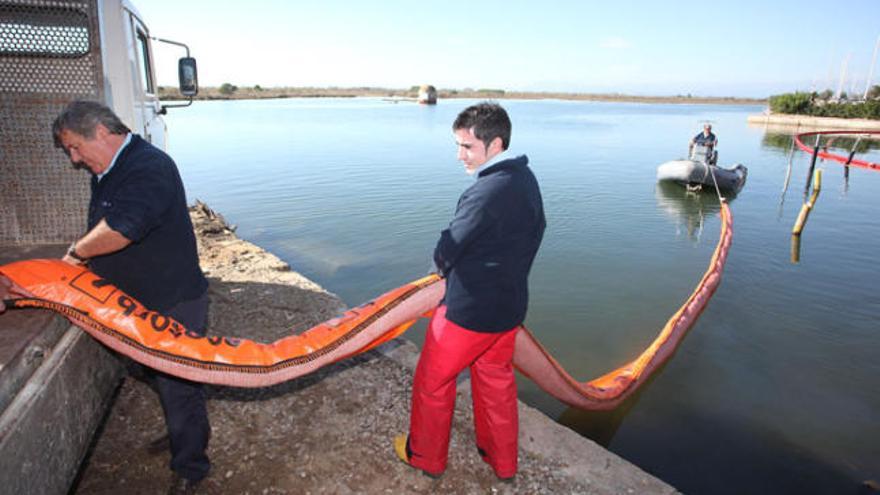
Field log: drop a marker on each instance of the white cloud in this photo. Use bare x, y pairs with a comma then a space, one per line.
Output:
615, 43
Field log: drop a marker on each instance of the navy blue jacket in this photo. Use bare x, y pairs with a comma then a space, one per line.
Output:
142, 198
488, 249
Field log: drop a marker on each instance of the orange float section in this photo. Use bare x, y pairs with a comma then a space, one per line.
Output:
155, 340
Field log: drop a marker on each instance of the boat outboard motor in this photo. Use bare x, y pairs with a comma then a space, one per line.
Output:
704, 154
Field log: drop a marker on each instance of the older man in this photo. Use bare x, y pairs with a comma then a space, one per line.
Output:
140, 237
485, 254
707, 139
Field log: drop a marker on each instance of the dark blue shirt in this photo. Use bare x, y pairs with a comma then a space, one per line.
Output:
705, 140
142, 198
488, 249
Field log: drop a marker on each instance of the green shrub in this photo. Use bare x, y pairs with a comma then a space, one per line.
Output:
871, 109
228, 89
862, 110
814, 104
791, 103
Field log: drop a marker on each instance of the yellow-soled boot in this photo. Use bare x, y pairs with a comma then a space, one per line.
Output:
401, 448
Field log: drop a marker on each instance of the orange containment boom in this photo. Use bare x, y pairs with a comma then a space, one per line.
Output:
850, 160
610, 390
155, 340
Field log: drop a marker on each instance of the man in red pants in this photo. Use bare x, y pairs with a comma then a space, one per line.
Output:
485, 255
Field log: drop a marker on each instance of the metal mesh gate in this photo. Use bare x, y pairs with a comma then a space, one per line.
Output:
49, 56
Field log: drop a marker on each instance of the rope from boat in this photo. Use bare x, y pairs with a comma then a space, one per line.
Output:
706, 172
715, 181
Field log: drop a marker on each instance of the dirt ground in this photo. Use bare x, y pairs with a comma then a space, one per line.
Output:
331, 431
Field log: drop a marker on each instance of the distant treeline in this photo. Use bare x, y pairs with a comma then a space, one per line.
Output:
229, 91
824, 105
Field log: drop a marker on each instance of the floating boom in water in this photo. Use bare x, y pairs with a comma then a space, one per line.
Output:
158, 341
611, 389
825, 154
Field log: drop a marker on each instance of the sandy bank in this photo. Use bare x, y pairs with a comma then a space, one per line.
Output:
329, 432
789, 123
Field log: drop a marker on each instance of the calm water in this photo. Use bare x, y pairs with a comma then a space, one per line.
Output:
776, 389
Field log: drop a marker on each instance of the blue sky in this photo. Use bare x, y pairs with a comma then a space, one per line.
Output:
722, 48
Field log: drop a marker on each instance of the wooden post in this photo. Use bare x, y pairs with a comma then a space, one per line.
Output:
812, 166
805, 209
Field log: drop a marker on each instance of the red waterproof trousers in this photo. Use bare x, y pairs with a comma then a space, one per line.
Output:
448, 350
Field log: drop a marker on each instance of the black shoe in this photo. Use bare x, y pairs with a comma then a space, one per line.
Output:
159, 445
182, 486
508, 480
483, 454
485, 457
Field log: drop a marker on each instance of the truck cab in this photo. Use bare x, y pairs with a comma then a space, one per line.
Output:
130, 71
130, 82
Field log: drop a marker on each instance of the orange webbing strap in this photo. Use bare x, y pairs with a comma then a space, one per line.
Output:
158, 341
608, 391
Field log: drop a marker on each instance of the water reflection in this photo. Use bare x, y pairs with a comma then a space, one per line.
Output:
791, 150
775, 141
850, 147
598, 426
688, 209
795, 248
601, 426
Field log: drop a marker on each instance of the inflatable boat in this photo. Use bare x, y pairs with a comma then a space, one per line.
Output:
698, 172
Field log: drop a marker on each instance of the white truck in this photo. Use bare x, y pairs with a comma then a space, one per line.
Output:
129, 76
56, 382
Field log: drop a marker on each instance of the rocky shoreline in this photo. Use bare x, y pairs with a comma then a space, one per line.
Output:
331, 431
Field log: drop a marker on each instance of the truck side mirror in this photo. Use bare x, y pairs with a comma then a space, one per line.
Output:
188, 76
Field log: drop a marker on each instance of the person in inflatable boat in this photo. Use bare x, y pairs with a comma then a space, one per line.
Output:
707, 139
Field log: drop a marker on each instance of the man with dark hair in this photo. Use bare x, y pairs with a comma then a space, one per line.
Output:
485, 255
140, 238
83, 117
